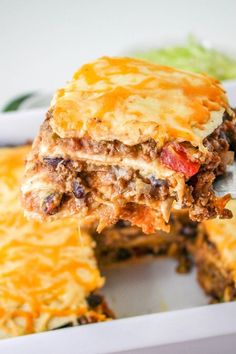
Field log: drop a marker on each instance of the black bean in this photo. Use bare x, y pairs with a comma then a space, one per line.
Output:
189, 230
223, 135
121, 224
51, 203
78, 190
94, 300
123, 254
157, 182
53, 161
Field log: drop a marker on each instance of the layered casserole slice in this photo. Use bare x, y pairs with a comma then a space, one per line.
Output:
48, 272
214, 252
127, 139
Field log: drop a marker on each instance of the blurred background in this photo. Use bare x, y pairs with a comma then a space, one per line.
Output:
43, 42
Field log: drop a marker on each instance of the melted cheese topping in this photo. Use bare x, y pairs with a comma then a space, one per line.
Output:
222, 234
46, 270
131, 100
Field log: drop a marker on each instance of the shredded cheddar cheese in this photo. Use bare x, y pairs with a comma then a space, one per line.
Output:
46, 270
131, 100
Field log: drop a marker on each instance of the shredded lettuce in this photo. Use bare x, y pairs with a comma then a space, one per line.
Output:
194, 57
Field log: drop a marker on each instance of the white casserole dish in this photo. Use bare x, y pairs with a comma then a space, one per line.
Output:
137, 294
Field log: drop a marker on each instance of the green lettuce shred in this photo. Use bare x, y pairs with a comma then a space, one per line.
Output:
193, 57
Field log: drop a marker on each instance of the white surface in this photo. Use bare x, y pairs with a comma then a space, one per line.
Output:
138, 290
151, 287
43, 42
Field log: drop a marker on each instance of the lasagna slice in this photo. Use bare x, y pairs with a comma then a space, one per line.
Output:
214, 252
127, 139
48, 272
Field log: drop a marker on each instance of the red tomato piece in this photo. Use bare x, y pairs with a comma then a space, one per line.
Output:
174, 156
